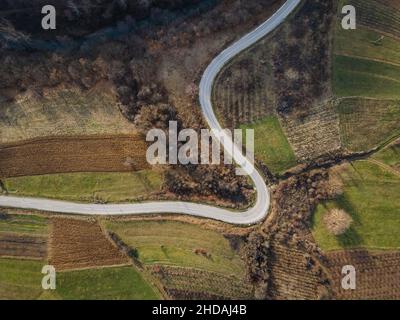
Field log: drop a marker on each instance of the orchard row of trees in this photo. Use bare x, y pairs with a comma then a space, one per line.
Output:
301, 66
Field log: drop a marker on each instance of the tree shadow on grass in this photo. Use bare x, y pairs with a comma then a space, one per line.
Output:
356, 179
351, 238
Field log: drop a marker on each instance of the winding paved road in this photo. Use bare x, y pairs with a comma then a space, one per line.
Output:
253, 215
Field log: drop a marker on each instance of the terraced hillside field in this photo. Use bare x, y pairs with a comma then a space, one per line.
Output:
391, 3
291, 279
188, 283
367, 123
181, 255
379, 15
21, 279
22, 260
366, 76
62, 112
23, 236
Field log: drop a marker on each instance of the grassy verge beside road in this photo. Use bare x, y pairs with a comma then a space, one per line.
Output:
24, 224
87, 187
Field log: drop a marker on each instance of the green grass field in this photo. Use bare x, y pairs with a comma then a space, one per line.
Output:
377, 15
271, 144
21, 279
104, 284
364, 43
372, 198
24, 224
365, 78
366, 64
174, 243
366, 123
389, 156
87, 187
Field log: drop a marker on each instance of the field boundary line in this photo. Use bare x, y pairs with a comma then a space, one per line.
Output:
384, 166
366, 58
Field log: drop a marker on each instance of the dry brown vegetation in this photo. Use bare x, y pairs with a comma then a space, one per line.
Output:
283, 260
61, 111
152, 69
244, 91
377, 274
76, 243
302, 76
337, 221
188, 284
205, 182
73, 154
295, 275
14, 245
287, 73
393, 3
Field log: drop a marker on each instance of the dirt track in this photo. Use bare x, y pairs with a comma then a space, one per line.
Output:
73, 154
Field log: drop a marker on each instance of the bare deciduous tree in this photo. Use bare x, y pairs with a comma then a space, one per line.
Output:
337, 221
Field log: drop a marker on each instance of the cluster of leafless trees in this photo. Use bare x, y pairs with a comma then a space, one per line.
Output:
79, 17
301, 65
128, 64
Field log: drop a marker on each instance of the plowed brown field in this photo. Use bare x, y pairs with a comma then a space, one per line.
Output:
73, 154
76, 244
377, 274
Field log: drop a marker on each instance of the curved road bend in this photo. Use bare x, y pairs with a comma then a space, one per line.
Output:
253, 215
